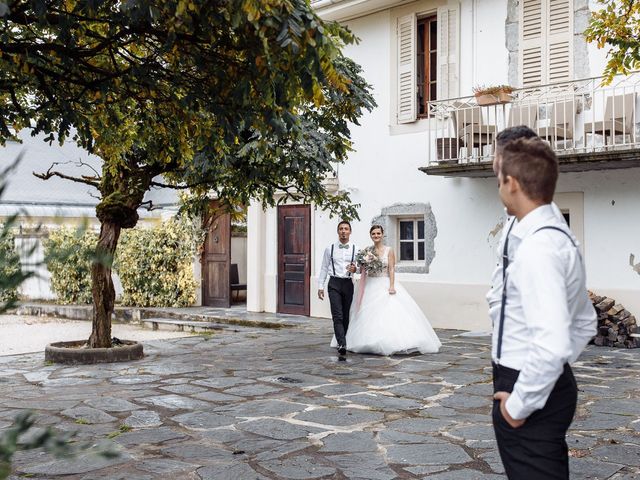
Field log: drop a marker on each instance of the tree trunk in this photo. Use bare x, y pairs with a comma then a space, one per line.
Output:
102, 289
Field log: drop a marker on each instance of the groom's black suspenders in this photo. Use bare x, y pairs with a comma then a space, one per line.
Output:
505, 264
353, 253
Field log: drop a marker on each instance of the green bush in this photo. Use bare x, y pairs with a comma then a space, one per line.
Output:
9, 266
155, 265
71, 275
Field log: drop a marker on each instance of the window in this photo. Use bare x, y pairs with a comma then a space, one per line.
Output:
412, 240
427, 61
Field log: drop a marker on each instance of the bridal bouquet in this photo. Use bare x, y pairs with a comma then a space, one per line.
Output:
369, 259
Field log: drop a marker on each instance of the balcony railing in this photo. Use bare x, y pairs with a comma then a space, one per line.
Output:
582, 120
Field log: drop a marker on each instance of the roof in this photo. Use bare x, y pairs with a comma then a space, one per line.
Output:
37, 156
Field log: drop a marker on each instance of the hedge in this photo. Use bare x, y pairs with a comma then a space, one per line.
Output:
71, 276
9, 265
155, 265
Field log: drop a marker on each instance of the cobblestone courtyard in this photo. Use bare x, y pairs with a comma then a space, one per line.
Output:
251, 403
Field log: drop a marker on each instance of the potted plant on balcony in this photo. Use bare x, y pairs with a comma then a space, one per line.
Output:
493, 95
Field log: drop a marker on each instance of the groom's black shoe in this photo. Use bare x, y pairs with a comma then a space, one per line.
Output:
342, 350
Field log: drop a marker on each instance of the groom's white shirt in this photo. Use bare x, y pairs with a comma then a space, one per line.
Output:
341, 260
494, 296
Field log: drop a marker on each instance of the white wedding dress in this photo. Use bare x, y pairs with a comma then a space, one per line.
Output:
385, 324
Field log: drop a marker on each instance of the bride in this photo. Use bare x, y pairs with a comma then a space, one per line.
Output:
384, 318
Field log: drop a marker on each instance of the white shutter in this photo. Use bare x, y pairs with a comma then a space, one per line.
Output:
559, 33
448, 51
532, 38
545, 34
407, 82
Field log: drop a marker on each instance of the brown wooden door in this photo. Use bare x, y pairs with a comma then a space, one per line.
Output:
294, 259
216, 262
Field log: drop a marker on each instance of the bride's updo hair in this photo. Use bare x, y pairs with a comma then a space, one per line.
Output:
376, 227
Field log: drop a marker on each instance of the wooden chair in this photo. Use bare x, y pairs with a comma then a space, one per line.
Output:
617, 119
560, 121
523, 114
471, 127
234, 279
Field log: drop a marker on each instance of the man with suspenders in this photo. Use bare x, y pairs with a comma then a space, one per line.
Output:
339, 263
544, 319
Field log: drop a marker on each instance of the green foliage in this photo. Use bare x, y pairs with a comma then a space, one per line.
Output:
492, 89
155, 265
23, 435
9, 265
71, 273
248, 99
244, 97
11, 275
617, 25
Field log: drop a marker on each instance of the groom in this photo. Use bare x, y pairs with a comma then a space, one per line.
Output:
339, 262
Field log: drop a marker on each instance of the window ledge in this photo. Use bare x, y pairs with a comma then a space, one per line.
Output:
411, 268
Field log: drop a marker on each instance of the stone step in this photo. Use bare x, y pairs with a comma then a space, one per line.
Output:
181, 325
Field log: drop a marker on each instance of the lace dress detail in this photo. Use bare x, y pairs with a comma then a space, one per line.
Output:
385, 262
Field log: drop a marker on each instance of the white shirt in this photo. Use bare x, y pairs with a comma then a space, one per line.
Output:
342, 257
549, 318
494, 297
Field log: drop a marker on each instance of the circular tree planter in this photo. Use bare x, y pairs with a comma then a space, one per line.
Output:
75, 352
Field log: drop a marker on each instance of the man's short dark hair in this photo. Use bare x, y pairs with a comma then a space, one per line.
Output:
513, 133
344, 222
532, 162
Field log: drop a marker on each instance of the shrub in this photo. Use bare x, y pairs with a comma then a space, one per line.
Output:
71, 275
9, 266
155, 264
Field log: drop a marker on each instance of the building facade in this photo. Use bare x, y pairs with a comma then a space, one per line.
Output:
422, 160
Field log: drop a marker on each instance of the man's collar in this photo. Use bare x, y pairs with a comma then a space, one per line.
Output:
536, 218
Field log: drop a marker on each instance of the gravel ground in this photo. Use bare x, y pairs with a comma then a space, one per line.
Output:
25, 334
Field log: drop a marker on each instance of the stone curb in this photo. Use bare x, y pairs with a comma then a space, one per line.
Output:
69, 353
135, 315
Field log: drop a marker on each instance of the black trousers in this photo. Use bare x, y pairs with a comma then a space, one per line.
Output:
340, 296
538, 449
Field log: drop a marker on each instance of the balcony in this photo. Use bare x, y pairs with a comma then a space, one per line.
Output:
589, 126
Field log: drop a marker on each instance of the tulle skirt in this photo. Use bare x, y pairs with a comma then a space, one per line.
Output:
385, 324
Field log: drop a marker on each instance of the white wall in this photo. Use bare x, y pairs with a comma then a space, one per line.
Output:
383, 171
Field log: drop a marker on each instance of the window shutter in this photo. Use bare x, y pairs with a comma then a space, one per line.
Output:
449, 51
532, 38
559, 32
545, 36
407, 82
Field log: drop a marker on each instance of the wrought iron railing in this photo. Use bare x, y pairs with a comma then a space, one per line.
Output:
581, 116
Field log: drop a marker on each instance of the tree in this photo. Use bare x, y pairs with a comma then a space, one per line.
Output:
617, 24
245, 98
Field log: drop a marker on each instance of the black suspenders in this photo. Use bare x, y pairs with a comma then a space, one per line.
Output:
505, 264
333, 266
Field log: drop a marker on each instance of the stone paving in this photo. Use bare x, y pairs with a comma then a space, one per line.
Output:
276, 404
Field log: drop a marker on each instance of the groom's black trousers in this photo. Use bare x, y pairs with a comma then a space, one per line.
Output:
537, 450
340, 296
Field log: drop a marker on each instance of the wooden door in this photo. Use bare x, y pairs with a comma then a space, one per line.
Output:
294, 259
216, 262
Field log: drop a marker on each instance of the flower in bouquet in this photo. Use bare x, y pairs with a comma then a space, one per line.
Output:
369, 260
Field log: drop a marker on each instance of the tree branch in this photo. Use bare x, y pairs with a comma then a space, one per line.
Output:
83, 179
